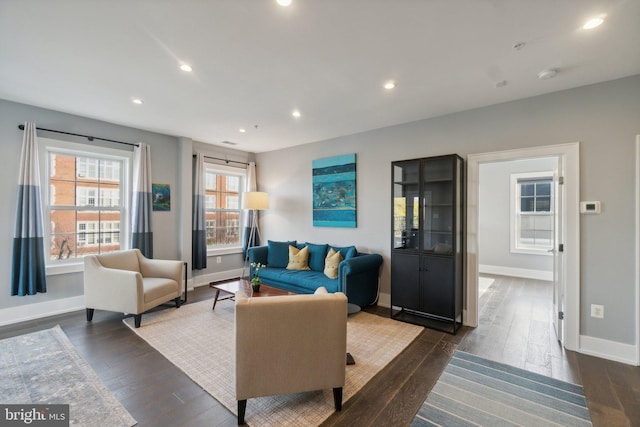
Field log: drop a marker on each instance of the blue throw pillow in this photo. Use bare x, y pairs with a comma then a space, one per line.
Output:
317, 254
278, 253
346, 252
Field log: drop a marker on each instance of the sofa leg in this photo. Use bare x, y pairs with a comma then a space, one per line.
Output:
337, 398
177, 301
137, 319
89, 314
242, 408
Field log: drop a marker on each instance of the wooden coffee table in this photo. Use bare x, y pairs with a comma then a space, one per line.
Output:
235, 285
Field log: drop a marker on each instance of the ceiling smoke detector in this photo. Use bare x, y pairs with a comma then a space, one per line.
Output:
547, 74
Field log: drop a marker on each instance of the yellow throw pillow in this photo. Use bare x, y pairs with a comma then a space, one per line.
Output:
298, 258
331, 263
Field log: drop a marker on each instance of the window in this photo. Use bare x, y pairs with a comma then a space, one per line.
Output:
222, 204
84, 209
532, 230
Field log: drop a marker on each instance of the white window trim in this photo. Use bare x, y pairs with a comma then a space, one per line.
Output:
44, 145
515, 199
232, 171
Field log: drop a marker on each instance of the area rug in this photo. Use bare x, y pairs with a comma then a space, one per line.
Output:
45, 368
476, 391
200, 342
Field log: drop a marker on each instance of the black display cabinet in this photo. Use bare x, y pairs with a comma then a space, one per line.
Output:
427, 250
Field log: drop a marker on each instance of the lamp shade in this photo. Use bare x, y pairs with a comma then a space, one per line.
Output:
255, 200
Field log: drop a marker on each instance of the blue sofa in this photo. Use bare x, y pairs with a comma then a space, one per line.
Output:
357, 273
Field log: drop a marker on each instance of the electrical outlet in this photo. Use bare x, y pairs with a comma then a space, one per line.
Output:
218, 259
597, 311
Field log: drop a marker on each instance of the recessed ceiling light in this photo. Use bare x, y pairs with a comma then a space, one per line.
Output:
593, 22
284, 3
390, 85
186, 68
137, 101
296, 113
242, 130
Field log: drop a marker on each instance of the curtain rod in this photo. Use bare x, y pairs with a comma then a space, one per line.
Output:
225, 160
89, 137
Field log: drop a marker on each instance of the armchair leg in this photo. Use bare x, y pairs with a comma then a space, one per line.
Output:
337, 398
89, 314
137, 320
177, 301
242, 408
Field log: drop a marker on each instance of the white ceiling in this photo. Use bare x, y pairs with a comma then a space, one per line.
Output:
254, 61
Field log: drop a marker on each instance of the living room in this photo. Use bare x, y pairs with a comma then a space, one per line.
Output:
602, 115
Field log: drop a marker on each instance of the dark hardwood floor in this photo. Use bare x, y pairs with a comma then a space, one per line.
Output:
157, 394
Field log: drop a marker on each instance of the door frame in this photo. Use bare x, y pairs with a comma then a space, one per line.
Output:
570, 156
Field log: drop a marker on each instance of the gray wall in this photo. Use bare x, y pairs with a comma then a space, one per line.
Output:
167, 168
604, 117
494, 226
164, 170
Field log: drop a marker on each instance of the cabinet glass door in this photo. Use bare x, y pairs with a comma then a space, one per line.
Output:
406, 206
437, 199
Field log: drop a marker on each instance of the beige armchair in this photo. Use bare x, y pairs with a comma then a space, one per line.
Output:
128, 282
290, 344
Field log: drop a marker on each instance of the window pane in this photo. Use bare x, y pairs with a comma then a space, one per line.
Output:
210, 181
61, 193
63, 246
233, 183
222, 203
526, 204
527, 189
543, 204
223, 228
543, 189
63, 221
78, 183
110, 170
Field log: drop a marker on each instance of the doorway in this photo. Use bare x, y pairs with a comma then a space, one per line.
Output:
567, 273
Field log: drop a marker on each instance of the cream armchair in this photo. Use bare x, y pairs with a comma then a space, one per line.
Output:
128, 282
289, 344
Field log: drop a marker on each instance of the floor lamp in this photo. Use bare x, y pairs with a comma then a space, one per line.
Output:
254, 201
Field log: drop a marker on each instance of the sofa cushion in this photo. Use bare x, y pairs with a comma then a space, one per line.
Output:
346, 252
317, 254
298, 280
298, 258
331, 264
278, 253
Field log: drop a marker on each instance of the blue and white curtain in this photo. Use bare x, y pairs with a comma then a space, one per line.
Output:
199, 234
28, 275
251, 185
141, 206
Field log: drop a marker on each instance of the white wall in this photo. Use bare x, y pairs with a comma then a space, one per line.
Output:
603, 117
494, 232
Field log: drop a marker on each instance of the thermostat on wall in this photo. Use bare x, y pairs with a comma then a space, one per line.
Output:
590, 207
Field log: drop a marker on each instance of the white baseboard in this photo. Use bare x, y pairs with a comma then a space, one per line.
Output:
516, 272
205, 279
611, 350
38, 310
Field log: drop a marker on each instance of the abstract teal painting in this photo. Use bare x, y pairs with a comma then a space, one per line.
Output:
334, 191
